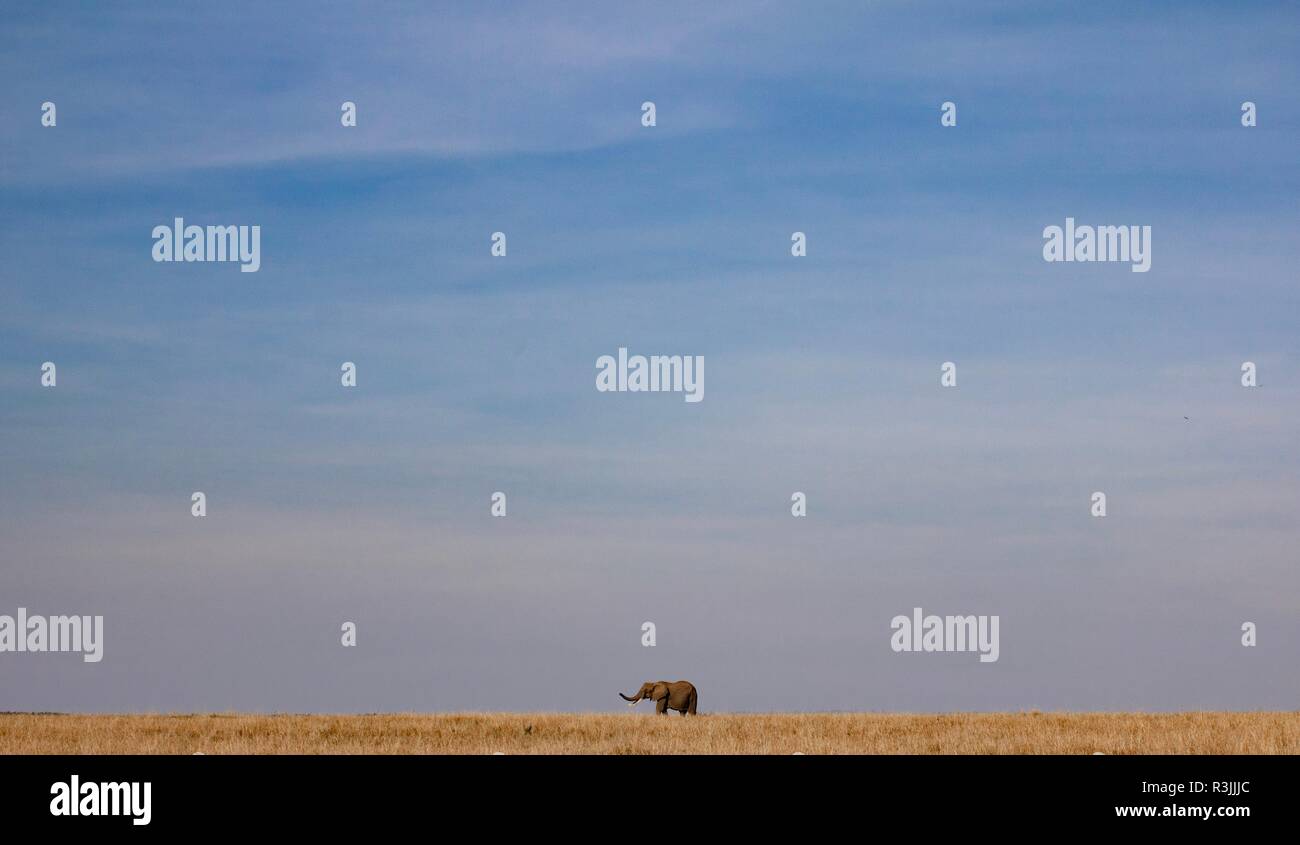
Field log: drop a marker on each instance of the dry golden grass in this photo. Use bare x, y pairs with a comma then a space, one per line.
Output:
627, 733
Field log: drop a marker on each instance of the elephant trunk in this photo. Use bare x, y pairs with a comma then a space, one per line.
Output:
626, 698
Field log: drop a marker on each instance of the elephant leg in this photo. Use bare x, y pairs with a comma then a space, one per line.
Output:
690, 708
661, 706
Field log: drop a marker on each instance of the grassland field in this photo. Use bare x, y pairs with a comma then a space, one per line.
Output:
636, 733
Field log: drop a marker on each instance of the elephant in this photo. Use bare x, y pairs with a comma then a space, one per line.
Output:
667, 695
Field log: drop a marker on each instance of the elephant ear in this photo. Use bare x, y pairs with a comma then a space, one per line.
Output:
660, 691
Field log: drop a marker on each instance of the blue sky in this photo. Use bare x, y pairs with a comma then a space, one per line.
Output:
477, 374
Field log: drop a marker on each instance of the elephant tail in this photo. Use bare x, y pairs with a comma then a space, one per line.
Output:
690, 706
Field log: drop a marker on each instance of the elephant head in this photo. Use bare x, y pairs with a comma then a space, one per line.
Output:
650, 691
